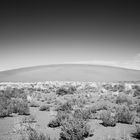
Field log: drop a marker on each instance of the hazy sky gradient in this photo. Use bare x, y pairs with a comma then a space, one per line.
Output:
34, 33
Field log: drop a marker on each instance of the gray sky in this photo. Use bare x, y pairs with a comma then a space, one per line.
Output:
67, 32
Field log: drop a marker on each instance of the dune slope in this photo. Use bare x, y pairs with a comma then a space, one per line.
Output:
69, 72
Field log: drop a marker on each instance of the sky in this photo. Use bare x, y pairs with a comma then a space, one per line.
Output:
55, 32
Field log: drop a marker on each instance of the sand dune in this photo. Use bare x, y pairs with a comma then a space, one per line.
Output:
69, 72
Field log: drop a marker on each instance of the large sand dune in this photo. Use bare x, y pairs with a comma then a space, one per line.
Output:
69, 72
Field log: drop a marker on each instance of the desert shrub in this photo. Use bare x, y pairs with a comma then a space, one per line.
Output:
118, 87
136, 134
14, 93
72, 89
23, 108
138, 108
108, 86
65, 107
4, 112
20, 106
54, 123
34, 104
136, 90
108, 118
65, 90
14, 105
124, 115
60, 118
74, 129
84, 114
44, 108
100, 105
5, 107
61, 91
32, 134
123, 98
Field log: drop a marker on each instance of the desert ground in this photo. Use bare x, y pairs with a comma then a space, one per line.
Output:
57, 110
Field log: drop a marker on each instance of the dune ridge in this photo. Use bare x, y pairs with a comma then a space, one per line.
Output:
70, 72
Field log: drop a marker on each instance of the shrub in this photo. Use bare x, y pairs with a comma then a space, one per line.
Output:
124, 115
123, 98
54, 123
118, 87
138, 108
108, 118
65, 90
72, 89
61, 91
84, 114
61, 116
101, 105
14, 105
23, 108
136, 90
32, 134
5, 107
20, 106
4, 112
65, 107
44, 108
136, 134
74, 129
34, 104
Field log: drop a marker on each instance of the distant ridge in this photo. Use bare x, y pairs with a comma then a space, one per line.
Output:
70, 72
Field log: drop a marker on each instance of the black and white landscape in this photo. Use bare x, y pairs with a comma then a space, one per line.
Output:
69, 70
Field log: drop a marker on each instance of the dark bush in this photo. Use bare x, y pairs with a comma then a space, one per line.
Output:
65, 90
54, 123
44, 108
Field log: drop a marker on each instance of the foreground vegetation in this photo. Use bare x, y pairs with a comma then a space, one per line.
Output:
75, 106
